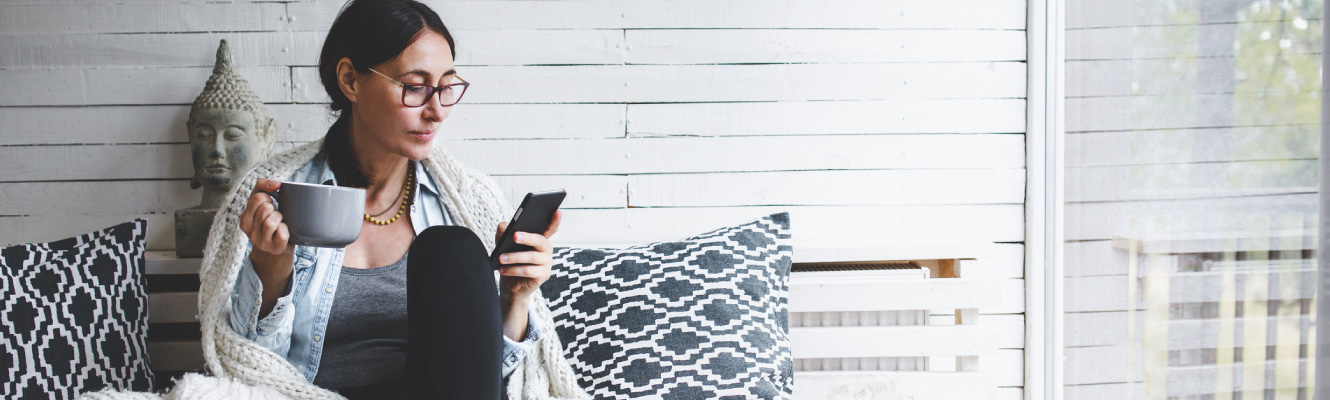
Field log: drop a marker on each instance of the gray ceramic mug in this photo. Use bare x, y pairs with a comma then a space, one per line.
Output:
320, 215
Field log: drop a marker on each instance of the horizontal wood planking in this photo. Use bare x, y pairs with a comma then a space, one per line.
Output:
1180, 41
1185, 146
1144, 77
176, 355
152, 16
1102, 221
45, 228
530, 47
920, 225
300, 122
1007, 367
304, 122
572, 157
285, 48
589, 191
1006, 261
546, 84
167, 196
911, 224
173, 307
907, 385
713, 46
1003, 262
828, 117
751, 14
894, 187
1190, 181
869, 294
1180, 111
1009, 328
892, 341
22, 17
746, 154
722, 83
137, 86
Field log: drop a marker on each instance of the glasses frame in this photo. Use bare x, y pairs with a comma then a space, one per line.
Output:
433, 90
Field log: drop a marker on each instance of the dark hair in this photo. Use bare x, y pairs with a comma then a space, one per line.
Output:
368, 32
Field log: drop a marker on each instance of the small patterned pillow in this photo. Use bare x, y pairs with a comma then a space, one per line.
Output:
75, 315
700, 318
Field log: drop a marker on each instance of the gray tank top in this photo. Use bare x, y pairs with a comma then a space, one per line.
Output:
365, 343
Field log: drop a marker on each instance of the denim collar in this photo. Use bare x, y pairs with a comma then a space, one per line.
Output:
326, 176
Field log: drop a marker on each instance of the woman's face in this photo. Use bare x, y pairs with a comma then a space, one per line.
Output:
378, 109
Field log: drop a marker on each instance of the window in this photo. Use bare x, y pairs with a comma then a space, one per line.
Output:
1191, 151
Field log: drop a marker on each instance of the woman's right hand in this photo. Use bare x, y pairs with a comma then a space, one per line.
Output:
262, 223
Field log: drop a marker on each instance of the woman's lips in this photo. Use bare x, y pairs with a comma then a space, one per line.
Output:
424, 135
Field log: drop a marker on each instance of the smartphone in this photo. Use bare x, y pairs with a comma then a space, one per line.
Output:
533, 215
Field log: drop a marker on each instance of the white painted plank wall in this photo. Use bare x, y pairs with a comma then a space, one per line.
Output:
893, 122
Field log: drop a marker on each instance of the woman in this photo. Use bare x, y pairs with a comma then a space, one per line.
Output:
411, 308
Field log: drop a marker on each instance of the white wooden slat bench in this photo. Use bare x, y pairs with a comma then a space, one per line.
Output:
850, 333
1216, 313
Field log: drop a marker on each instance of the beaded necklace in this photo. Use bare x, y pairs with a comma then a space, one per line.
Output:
406, 197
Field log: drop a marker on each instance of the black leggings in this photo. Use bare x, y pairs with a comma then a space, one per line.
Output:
454, 346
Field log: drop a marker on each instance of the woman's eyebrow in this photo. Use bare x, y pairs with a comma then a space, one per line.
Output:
425, 74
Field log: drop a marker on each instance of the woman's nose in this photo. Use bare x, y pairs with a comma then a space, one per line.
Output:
433, 111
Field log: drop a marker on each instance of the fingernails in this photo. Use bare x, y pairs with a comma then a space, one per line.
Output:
503, 258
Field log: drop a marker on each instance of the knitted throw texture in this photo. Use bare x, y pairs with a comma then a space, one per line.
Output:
478, 204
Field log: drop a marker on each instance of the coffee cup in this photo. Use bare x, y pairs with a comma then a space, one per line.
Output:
320, 215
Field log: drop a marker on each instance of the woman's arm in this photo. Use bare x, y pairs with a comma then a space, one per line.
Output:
522, 273
272, 254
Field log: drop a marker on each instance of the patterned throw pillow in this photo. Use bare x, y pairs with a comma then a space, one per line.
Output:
700, 318
75, 315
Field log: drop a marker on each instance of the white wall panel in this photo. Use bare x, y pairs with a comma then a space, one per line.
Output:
896, 123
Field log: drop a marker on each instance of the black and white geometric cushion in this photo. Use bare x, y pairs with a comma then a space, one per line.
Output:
700, 318
75, 315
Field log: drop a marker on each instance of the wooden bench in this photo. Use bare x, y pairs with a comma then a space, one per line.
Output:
1222, 312
850, 332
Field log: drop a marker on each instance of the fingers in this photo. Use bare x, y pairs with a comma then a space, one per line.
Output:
540, 273
540, 243
257, 198
261, 221
526, 258
498, 233
554, 223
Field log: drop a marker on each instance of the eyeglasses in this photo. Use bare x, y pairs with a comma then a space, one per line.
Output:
415, 94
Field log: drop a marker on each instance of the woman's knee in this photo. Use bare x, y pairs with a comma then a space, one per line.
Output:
456, 248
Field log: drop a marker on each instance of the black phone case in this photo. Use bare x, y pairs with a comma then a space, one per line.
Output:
533, 215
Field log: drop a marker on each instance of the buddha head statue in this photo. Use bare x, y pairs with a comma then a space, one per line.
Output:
229, 131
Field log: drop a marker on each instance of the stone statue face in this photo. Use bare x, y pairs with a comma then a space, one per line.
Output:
225, 144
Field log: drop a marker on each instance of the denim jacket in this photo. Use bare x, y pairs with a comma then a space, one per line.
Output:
298, 321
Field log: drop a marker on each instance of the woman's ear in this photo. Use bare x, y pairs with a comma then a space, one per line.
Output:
346, 78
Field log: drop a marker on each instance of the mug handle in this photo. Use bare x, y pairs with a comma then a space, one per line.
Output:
272, 196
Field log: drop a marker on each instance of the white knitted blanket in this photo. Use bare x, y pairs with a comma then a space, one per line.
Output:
477, 203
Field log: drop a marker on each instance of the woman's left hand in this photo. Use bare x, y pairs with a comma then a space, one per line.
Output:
524, 271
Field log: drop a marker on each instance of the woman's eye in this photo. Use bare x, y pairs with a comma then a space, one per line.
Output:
414, 89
